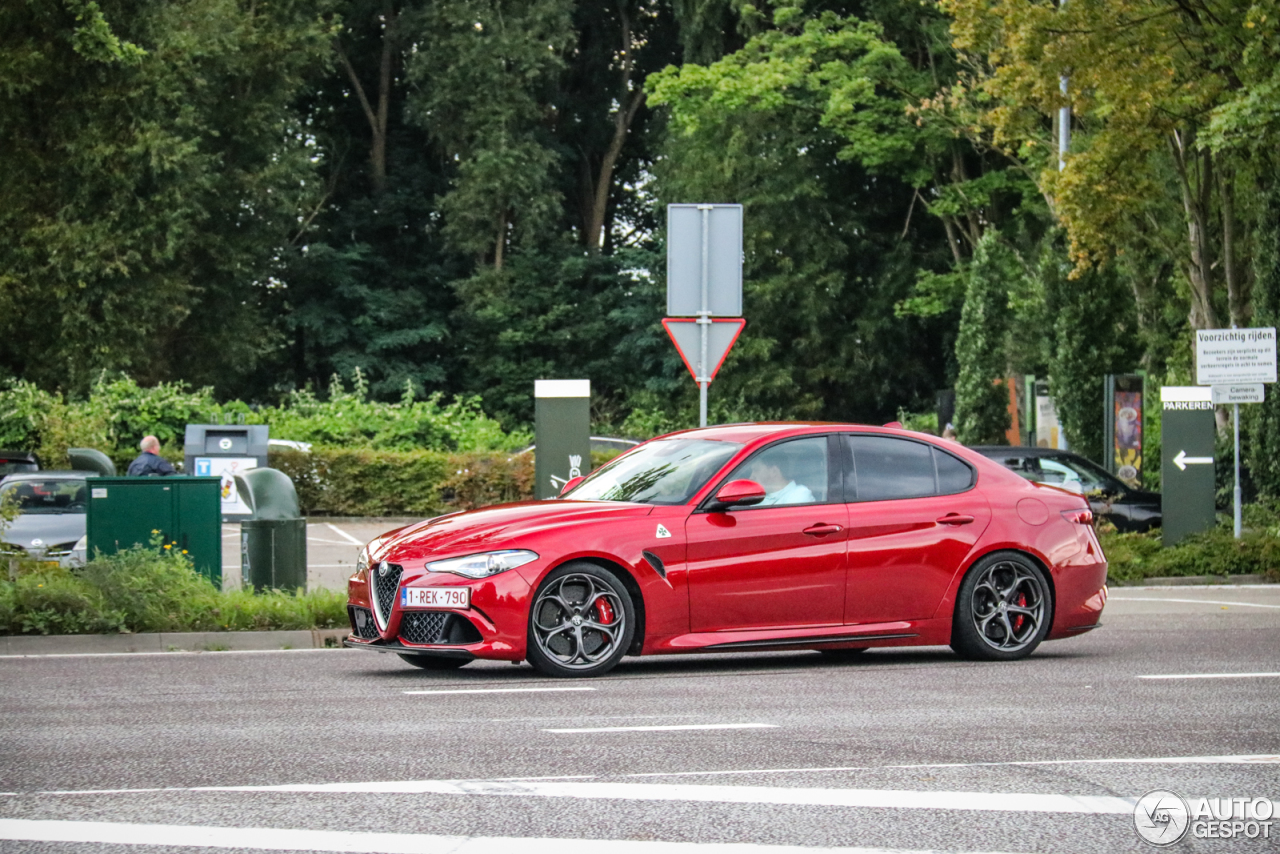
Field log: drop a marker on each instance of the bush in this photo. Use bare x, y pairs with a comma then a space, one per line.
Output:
364, 482
145, 589
1134, 557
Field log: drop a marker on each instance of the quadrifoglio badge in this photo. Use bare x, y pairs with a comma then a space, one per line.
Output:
1163, 818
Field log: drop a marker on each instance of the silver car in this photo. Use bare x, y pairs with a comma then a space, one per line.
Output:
51, 521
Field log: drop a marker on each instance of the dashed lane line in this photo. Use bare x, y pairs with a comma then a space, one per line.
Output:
501, 690
666, 728
1210, 676
297, 839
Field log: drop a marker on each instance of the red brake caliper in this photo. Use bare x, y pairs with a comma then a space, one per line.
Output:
605, 610
1017, 621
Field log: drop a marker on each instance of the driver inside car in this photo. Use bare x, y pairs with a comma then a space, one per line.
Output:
778, 489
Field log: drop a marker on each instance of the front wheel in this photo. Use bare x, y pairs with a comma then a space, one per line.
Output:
1003, 609
581, 622
434, 662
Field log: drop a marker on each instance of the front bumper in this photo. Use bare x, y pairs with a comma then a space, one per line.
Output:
495, 624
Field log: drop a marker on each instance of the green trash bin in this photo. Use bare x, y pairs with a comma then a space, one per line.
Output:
273, 540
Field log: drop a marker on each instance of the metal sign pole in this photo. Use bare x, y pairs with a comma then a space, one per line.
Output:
1236, 419
704, 316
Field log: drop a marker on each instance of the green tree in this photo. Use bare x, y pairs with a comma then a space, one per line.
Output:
151, 168
982, 396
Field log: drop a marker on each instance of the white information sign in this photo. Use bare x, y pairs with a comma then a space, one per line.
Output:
1232, 356
226, 468
1239, 393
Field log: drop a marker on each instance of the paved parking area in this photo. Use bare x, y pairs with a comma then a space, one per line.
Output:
900, 750
332, 548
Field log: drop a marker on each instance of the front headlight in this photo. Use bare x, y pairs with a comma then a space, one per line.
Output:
485, 564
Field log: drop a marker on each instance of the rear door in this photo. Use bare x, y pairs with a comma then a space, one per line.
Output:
913, 517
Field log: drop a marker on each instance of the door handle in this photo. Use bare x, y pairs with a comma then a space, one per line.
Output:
955, 519
821, 530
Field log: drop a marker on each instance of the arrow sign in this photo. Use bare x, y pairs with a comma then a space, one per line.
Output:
1182, 461
687, 337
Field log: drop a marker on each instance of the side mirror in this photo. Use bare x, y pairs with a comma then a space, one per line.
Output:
737, 493
571, 483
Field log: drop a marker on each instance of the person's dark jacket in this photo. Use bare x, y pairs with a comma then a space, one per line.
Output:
150, 465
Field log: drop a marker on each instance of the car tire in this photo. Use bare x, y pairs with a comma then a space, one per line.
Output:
435, 662
1003, 609
581, 621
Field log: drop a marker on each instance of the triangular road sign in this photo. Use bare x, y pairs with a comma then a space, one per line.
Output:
686, 335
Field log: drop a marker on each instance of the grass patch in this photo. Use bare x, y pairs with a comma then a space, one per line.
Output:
147, 589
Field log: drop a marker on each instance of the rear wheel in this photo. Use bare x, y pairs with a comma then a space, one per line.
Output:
581, 622
434, 662
1003, 609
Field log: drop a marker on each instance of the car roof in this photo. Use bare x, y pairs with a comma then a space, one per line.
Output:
48, 475
753, 432
1019, 451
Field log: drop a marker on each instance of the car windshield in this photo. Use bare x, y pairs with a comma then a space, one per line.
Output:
669, 471
46, 496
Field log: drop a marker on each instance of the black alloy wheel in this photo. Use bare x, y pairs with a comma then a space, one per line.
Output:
1003, 609
434, 662
581, 622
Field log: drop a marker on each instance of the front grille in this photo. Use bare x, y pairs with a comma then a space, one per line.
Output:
423, 626
384, 588
362, 623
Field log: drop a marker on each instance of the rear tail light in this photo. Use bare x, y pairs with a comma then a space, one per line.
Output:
1082, 516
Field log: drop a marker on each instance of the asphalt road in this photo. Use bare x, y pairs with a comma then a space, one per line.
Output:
903, 750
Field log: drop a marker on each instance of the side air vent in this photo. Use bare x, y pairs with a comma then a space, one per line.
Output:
655, 562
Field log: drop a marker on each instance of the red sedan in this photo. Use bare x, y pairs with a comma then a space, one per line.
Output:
747, 537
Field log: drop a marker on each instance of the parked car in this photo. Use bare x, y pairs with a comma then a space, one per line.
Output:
742, 537
51, 521
1110, 498
18, 461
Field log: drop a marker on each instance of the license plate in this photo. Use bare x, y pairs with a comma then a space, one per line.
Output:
435, 597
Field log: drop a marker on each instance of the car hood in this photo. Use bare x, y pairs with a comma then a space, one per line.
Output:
497, 527
52, 528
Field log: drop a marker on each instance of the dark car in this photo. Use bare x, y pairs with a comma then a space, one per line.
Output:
1127, 508
18, 461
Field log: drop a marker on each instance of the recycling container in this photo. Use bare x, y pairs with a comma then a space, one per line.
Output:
273, 540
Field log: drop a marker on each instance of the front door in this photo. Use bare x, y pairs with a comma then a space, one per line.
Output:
780, 564
913, 518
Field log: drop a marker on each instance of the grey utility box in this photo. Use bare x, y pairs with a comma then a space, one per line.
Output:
273, 541
562, 431
223, 451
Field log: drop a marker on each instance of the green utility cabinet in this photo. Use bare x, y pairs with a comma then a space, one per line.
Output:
187, 511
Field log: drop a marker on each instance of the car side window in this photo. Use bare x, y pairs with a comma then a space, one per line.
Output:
886, 467
793, 472
953, 475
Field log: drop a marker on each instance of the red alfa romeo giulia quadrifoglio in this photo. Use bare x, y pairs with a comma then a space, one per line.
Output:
744, 537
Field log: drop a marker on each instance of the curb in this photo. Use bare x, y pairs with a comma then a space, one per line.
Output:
1187, 580
18, 646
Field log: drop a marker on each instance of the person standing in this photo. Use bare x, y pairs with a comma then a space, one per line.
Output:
149, 463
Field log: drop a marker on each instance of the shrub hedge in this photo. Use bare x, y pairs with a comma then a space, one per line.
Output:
145, 589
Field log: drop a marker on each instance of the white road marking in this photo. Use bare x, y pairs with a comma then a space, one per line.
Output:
500, 691
1200, 587
328, 542
343, 534
1210, 676
598, 790
663, 728
293, 839
1252, 759
1187, 601
175, 652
